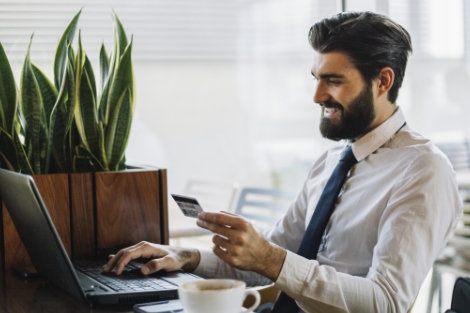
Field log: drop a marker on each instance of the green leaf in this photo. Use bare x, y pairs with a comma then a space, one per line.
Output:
118, 131
48, 91
24, 164
86, 113
32, 108
122, 79
79, 62
70, 55
57, 137
49, 97
61, 50
8, 151
5, 161
104, 66
84, 161
62, 117
87, 119
120, 37
121, 106
74, 140
91, 77
82, 165
8, 94
69, 108
43, 153
105, 83
120, 45
122, 164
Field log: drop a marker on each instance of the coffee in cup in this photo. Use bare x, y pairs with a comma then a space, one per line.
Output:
216, 296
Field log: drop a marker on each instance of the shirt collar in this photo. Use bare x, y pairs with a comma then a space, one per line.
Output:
373, 140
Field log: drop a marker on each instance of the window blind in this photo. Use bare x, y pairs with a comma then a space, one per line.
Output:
436, 27
166, 29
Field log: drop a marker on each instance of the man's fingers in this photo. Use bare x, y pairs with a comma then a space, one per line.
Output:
216, 228
221, 218
229, 213
222, 254
221, 242
113, 259
124, 256
167, 263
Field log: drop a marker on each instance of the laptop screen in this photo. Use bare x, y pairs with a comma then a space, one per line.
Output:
37, 232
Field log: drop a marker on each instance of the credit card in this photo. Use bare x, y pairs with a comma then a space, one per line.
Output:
189, 206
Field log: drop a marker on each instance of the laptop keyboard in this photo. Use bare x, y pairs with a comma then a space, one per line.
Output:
129, 281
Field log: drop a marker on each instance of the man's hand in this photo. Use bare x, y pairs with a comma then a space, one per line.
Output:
164, 258
239, 244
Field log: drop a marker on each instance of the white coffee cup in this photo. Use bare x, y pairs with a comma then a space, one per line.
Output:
216, 296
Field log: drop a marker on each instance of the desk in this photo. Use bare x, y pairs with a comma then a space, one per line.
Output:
19, 296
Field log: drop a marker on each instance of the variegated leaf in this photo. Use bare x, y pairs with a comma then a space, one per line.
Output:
32, 108
8, 151
119, 129
60, 58
8, 94
48, 92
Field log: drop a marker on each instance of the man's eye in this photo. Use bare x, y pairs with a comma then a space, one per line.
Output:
334, 82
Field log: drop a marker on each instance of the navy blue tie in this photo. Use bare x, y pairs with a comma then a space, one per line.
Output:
316, 228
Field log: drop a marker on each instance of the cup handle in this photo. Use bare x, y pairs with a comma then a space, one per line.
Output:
257, 296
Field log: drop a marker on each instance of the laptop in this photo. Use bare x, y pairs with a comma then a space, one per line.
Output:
83, 281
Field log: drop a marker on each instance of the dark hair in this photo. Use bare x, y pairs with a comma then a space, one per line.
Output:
373, 41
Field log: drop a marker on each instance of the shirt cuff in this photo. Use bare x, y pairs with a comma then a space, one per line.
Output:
207, 264
294, 273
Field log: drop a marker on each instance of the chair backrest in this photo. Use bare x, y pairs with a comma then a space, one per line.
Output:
213, 195
458, 154
263, 206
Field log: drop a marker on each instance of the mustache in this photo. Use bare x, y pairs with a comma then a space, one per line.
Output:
332, 104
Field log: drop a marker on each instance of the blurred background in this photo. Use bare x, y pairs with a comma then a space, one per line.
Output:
224, 90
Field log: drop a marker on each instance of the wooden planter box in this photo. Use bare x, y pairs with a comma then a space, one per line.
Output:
96, 213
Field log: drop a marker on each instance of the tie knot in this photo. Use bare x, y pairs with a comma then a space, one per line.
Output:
348, 157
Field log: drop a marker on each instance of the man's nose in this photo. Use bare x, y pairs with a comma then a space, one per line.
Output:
321, 93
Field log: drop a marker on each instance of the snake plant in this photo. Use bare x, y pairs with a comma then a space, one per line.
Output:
65, 126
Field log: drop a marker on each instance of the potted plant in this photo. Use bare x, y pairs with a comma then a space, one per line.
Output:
71, 136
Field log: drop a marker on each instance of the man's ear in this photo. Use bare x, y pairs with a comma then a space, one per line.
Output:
385, 80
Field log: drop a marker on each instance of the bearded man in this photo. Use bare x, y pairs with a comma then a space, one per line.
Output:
374, 212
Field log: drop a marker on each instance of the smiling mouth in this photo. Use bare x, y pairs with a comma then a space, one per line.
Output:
331, 111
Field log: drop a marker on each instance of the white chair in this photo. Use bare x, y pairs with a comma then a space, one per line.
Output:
263, 206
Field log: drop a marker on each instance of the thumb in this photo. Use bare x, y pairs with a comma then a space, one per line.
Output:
167, 263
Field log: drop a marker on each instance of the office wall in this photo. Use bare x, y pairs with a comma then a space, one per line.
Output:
236, 121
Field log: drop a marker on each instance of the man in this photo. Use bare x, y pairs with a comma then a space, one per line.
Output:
392, 217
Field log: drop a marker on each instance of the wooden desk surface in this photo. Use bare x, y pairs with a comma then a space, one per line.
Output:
19, 296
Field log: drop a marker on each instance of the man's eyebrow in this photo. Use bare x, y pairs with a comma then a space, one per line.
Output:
329, 75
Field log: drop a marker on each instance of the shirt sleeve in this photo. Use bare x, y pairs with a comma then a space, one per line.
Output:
211, 266
421, 212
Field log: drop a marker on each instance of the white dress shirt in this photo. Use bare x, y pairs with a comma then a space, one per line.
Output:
392, 219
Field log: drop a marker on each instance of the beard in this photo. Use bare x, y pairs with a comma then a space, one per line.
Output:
354, 121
